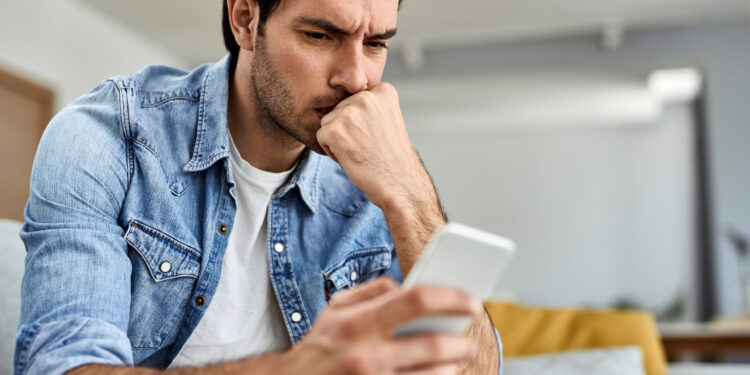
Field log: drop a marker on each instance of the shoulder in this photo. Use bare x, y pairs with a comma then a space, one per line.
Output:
92, 121
81, 158
156, 84
109, 107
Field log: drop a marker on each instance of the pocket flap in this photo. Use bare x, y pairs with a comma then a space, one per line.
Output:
166, 257
358, 266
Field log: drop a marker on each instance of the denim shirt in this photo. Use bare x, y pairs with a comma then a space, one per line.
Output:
130, 209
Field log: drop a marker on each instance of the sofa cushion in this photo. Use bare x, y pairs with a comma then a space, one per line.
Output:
11, 274
621, 361
531, 331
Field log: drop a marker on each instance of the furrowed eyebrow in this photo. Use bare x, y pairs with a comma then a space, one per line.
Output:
386, 35
331, 28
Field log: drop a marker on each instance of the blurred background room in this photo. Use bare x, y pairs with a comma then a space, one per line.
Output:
610, 139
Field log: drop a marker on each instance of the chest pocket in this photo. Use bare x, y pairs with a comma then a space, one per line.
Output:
356, 268
165, 271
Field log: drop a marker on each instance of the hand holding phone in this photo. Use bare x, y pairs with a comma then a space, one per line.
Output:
460, 257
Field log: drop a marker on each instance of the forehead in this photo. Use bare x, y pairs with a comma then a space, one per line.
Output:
368, 16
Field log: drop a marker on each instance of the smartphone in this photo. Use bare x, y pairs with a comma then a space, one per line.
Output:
458, 256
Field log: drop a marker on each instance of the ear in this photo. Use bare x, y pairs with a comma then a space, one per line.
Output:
243, 16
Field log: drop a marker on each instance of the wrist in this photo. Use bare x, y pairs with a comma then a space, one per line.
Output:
396, 205
424, 208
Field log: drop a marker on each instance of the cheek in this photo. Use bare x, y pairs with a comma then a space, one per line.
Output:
307, 72
375, 69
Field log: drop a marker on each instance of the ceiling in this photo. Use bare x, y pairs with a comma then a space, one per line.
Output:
191, 28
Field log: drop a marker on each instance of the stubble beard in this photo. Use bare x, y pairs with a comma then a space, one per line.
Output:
275, 102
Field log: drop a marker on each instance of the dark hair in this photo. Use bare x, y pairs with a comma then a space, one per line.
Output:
267, 7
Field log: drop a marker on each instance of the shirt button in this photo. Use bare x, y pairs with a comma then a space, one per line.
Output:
353, 276
200, 300
296, 317
223, 228
278, 247
165, 267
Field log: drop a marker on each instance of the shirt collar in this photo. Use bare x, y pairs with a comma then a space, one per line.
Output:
212, 137
306, 178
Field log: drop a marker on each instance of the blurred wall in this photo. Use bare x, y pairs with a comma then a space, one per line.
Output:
69, 47
599, 213
723, 50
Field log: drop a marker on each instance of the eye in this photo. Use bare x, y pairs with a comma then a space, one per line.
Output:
316, 36
377, 45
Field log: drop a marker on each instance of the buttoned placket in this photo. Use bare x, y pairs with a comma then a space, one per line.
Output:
209, 279
280, 255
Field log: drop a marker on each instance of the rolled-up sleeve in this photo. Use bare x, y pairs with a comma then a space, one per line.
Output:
500, 354
75, 294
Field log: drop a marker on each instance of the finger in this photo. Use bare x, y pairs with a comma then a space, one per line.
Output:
322, 136
431, 350
426, 300
384, 88
364, 292
329, 152
446, 369
353, 99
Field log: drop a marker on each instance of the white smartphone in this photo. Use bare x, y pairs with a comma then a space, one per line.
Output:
460, 257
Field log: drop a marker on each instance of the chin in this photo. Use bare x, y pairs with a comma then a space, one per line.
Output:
316, 147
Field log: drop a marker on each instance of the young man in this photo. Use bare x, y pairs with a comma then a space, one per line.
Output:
220, 221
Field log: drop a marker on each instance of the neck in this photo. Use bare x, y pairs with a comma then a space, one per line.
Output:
259, 140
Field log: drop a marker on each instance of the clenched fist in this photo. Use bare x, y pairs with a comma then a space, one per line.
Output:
366, 135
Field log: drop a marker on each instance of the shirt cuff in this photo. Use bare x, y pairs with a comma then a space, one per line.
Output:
57, 347
500, 354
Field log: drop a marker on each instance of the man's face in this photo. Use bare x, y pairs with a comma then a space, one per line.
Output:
313, 54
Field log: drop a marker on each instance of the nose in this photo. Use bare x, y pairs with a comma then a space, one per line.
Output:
349, 71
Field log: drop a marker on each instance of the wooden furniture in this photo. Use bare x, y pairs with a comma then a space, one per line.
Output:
709, 340
25, 109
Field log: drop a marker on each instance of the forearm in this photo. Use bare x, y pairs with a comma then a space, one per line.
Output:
488, 350
411, 223
263, 364
412, 220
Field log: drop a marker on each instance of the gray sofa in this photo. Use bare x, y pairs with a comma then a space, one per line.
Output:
13, 254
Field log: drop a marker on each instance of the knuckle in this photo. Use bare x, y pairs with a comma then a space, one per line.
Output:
348, 112
436, 347
358, 362
350, 328
387, 283
335, 133
447, 370
367, 96
340, 296
418, 299
389, 89
385, 86
368, 100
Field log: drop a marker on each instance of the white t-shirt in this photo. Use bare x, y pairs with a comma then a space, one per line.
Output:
243, 318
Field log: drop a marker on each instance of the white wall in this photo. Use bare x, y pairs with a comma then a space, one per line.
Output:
69, 47
722, 50
598, 212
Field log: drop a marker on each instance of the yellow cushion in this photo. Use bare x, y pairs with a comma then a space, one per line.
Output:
530, 331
